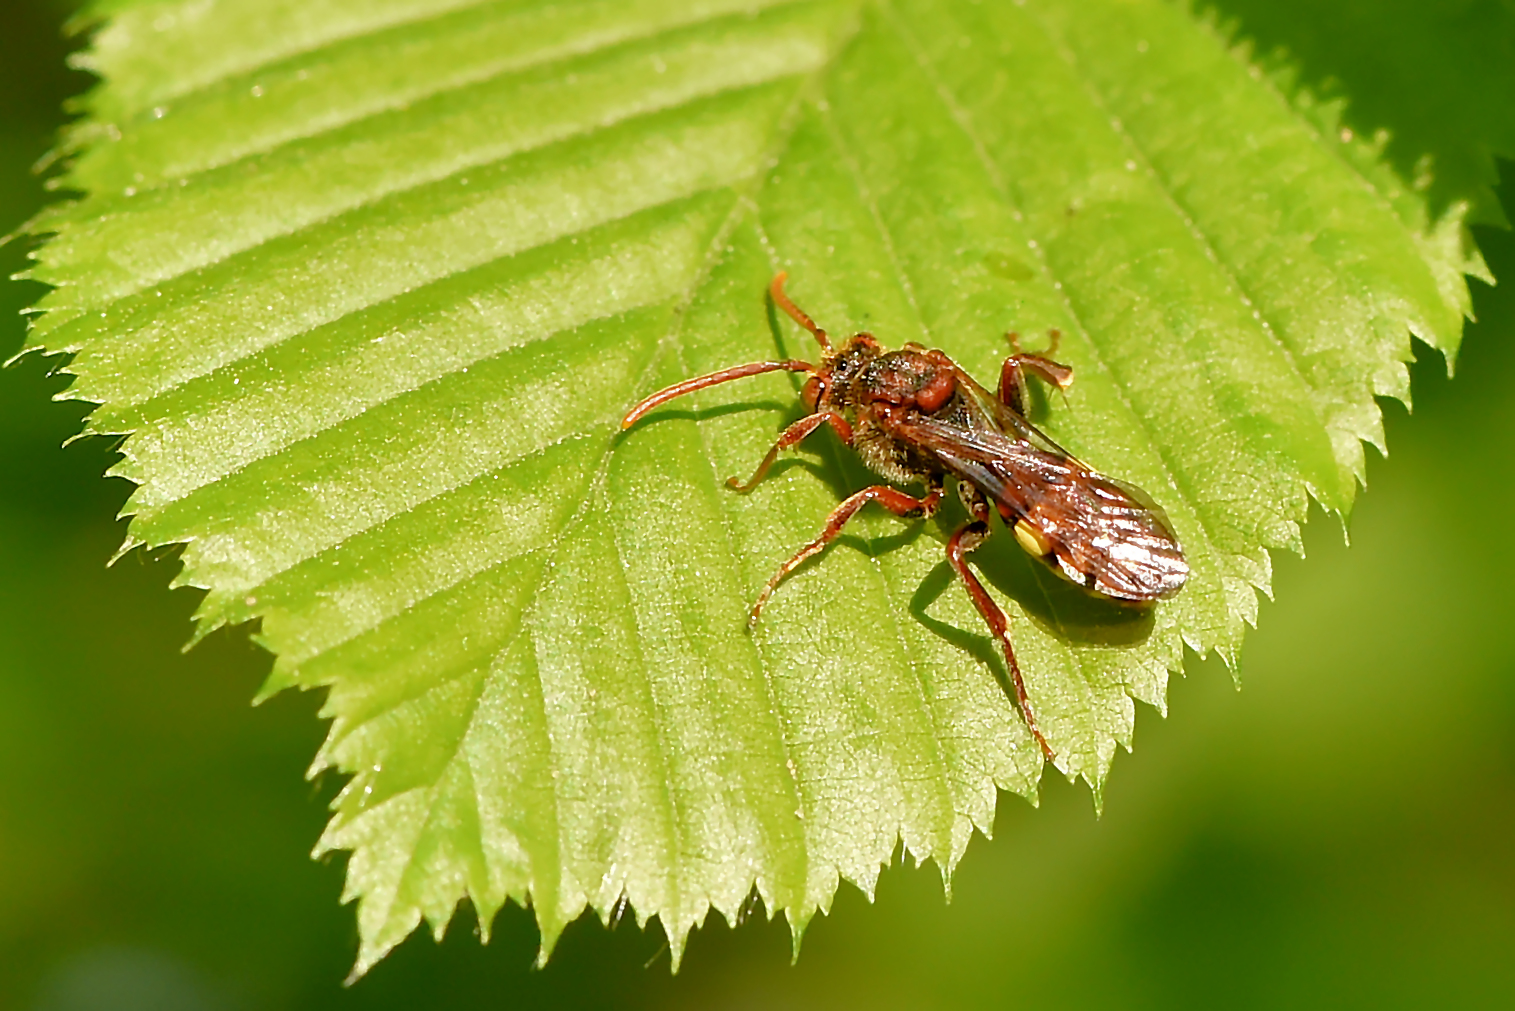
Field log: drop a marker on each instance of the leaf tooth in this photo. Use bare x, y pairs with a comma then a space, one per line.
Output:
501, 709
380, 925
620, 817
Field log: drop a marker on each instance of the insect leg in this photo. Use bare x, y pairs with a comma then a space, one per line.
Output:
1054, 339
794, 434
1013, 392
896, 501
969, 536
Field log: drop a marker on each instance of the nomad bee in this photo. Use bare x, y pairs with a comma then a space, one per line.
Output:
914, 415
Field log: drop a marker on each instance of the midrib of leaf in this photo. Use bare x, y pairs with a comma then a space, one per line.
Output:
944, 846
529, 628
775, 893
827, 856
936, 823
1091, 755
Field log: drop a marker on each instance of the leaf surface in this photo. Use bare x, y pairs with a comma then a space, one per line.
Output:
368, 285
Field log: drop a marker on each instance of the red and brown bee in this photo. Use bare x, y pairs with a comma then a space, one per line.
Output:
915, 415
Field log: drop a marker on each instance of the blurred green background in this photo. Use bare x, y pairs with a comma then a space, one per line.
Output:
1339, 834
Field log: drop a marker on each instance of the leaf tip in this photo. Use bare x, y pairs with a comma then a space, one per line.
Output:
675, 939
798, 921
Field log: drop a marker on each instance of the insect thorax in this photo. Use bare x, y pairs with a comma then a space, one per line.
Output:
865, 382
885, 455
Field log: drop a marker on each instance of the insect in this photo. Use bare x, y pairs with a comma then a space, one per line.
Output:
915, 415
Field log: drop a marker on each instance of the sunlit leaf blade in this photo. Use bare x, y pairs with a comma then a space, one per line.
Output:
368, 285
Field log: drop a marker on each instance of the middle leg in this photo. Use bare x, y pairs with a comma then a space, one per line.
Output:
896, 501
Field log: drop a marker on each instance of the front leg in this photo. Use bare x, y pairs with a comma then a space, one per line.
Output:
1013, 391
896, 501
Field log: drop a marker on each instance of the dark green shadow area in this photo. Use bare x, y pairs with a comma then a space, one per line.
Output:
1438, 76
1336, 835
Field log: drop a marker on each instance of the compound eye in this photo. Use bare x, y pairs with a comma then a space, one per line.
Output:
812, 392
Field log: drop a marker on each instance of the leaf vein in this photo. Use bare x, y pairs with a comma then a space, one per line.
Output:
964, 121
1184, 215
892, 593
573, 50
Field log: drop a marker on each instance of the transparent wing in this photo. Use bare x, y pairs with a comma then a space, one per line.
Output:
989, 407
1103, 535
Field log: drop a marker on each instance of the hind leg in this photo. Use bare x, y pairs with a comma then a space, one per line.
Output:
969, 536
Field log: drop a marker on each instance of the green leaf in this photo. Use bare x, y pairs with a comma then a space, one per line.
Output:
369, 284
1435, 78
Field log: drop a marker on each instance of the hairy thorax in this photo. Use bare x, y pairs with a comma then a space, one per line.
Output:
874, 387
